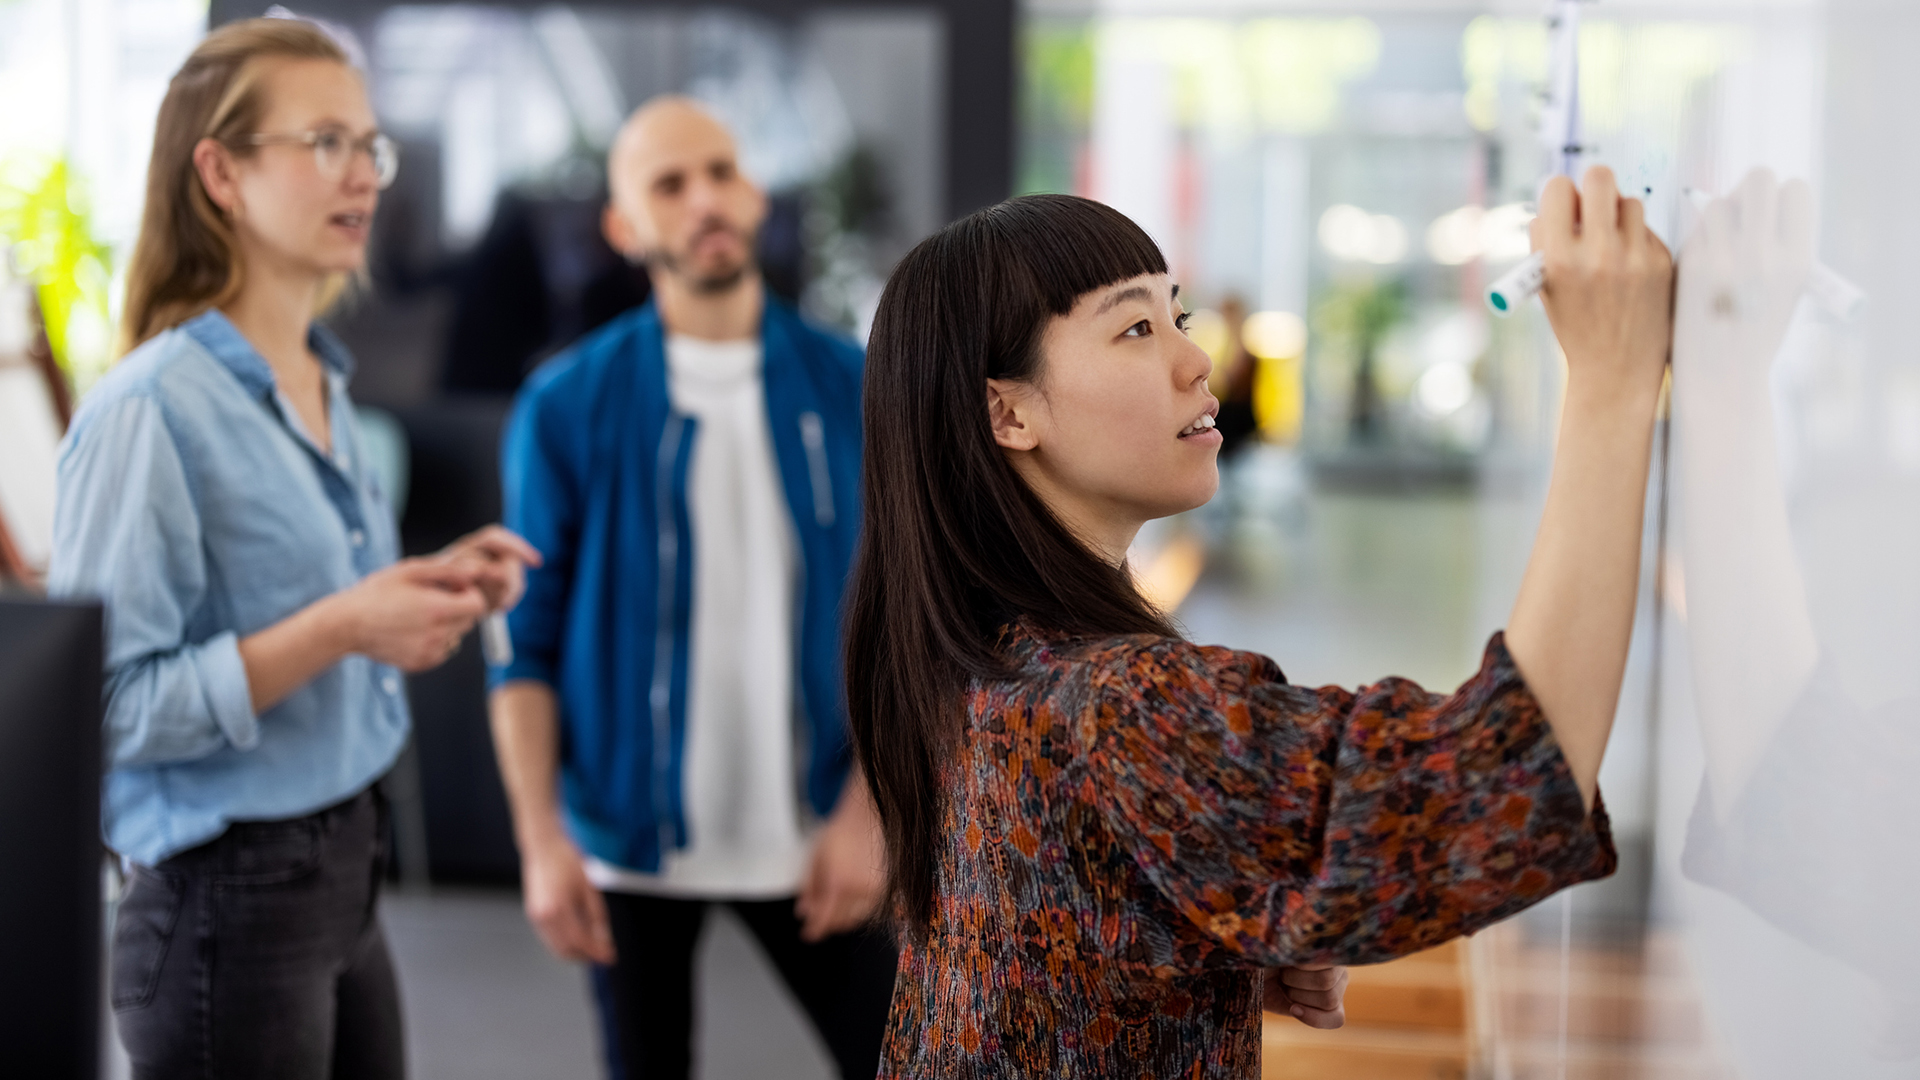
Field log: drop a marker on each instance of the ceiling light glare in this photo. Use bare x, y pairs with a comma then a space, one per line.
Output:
1274, 335
1352, 234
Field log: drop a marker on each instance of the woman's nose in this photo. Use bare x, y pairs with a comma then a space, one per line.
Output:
1195, 365
362, 174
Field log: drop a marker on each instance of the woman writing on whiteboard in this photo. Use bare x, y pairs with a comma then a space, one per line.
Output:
1100, 835
214, 494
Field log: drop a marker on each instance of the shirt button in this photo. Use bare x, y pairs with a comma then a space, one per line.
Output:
391, 684
358, 537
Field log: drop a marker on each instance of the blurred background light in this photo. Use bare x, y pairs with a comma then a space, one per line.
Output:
1274, 335
1469, 233
1503, 232
1454, 238
1444, 389
1208, 329
1300, 66
1353, 234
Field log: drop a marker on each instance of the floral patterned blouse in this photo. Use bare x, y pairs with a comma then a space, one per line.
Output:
1136, 827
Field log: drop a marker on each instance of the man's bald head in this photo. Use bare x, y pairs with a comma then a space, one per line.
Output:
667, 126
678, 199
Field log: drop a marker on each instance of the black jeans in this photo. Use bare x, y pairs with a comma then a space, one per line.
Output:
844, 983
260, 955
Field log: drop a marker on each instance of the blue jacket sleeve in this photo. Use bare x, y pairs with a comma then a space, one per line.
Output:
542, 499
126, 531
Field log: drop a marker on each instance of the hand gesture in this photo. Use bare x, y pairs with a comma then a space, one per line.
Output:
496, 559
413, 614
1315, 995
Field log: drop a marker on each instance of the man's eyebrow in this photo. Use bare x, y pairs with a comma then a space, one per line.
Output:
1133, 292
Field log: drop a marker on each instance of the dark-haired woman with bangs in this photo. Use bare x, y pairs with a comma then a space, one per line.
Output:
1102, 838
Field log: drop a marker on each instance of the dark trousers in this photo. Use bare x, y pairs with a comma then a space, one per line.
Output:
260, 956
844, 983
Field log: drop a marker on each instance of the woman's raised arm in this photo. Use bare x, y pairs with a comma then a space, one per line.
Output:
1294, 825
1609, 295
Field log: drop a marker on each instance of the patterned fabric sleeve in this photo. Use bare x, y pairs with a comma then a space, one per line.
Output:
1296, 825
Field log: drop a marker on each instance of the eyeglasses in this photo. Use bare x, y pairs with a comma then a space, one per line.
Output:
333, 152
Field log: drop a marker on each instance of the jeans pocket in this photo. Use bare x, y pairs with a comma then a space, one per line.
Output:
142, 931
267, 853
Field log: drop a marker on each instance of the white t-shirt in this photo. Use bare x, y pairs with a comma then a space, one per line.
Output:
745, 835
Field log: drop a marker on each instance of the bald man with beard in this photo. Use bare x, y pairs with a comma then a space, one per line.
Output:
672, 726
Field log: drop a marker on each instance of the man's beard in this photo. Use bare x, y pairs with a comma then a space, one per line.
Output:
710, 283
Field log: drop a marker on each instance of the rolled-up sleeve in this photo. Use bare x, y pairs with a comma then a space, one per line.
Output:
126, 532
541, 499
1297, 825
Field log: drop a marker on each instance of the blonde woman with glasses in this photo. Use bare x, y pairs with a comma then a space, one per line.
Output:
214, 494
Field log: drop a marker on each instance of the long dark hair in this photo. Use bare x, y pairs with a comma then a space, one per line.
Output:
954, 543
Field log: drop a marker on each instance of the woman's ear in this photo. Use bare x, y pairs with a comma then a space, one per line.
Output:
1010, 407
215, 166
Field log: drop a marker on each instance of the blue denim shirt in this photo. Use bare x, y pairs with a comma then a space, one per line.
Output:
192, 503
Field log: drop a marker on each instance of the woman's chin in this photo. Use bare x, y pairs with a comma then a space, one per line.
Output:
1207, 498
1209, 487
340, 257
1192, 497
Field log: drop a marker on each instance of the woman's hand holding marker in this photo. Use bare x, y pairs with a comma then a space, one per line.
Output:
1609, 296
1608, 288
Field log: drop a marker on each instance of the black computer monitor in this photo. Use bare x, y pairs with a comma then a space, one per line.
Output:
50, 929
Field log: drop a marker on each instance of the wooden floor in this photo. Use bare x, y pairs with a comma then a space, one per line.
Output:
1491, 1009
1407, 1020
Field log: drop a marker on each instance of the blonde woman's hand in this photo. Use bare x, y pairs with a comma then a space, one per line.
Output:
497, 559
1608, 290
414, 613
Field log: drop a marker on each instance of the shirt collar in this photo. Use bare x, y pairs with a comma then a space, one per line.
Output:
220, 337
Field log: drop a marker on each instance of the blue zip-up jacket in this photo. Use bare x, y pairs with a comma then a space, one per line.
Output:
594, 464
